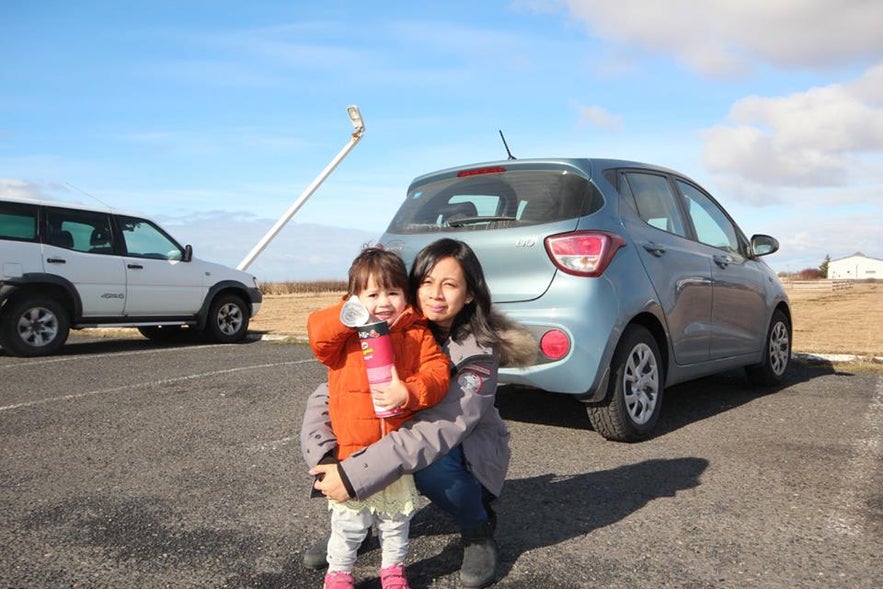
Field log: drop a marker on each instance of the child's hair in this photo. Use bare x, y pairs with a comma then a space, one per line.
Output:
387, 268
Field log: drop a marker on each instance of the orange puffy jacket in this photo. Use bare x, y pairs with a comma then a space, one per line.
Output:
419, 362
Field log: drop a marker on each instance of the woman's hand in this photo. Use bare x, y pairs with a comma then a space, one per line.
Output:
329, 482
392, 395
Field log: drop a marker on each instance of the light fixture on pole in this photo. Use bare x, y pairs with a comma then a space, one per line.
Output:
355, 116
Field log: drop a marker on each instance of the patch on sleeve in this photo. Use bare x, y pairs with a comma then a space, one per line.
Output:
471, 382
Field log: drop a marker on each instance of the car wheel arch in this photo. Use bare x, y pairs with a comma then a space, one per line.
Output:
60, 290
635, 386
647, 319
217, 290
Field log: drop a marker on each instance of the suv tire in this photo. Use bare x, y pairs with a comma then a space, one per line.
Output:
34, 326
777, 356
634, 394
227, 319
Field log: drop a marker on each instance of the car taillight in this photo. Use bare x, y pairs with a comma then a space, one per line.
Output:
554, 344
477, 171
583, 253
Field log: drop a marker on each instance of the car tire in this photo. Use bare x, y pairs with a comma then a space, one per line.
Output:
227, 319
777, 353
34, 326
634, 393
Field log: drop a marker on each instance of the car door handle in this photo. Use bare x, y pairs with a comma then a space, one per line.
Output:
56, 261
723, 260
134, 266
655, 249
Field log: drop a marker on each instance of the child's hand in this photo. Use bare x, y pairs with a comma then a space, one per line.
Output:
392, 395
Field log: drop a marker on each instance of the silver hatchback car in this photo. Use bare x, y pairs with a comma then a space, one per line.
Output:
631, 276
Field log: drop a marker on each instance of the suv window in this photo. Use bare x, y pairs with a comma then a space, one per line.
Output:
495, 201
82, 231
18, 221
145, 240
712, 225
654, 201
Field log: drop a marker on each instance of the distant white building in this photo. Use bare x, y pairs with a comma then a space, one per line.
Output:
857, 266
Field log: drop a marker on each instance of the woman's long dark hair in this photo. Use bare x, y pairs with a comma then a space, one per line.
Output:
473, 318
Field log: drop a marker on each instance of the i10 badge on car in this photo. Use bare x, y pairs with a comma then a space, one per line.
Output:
631, 276
67, 267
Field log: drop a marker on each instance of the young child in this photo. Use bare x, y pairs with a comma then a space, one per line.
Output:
420, 380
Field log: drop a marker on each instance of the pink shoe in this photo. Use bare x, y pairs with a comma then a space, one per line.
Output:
339, 580
394, 577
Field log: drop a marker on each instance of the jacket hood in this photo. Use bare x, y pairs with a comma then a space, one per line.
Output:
518, 347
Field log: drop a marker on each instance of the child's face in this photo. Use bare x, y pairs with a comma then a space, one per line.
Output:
384, 303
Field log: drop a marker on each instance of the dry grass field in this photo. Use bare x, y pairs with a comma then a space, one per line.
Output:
848, 321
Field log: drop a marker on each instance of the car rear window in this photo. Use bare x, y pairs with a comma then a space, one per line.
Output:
495, 201
18, 221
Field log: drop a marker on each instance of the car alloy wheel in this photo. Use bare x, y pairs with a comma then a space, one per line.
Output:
631, 408
641, 384
780, 348
36, 326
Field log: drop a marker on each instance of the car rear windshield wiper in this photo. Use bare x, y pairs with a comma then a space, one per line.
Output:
461, 221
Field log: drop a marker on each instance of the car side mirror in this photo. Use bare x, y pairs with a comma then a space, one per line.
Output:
188, 253
763, 245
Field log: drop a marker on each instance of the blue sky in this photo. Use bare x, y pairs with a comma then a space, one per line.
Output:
214, 116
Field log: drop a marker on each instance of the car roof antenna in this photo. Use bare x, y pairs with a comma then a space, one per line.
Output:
506, 145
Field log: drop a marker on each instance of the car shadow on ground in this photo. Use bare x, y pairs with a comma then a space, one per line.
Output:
683, 404
86, 344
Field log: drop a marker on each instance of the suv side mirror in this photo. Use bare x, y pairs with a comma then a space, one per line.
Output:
763, 245
188, 253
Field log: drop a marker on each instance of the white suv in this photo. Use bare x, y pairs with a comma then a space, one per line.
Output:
65, 266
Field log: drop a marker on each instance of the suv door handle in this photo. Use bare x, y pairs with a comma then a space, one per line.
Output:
655, 249
134, 266
723, 260
56, 261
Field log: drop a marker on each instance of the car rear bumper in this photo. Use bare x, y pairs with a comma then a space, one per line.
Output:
588, 314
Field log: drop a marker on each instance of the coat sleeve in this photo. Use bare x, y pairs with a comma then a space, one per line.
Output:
431, 434
316, 437
429, 386
328, 336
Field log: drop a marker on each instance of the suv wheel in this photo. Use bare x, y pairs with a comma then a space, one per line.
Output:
634, 394
228, 319
36, 326
777, 353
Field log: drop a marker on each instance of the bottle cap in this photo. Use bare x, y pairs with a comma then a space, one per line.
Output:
354, 313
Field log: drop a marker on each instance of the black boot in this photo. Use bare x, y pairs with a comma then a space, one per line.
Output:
479, 568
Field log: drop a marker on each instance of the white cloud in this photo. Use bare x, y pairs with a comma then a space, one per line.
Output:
596, 116
806, 240
26, 189
813, 138
722, 37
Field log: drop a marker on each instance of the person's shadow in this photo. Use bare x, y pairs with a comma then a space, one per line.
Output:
548, 509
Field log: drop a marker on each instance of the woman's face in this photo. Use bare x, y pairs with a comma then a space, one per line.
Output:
442, 294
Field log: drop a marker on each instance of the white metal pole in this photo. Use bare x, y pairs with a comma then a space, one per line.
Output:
359, 126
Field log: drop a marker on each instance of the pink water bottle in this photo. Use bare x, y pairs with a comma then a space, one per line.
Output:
377, 353
376, 347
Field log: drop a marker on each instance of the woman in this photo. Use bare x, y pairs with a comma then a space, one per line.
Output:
458, 451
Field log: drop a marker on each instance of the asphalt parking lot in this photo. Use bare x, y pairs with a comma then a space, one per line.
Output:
128, 464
